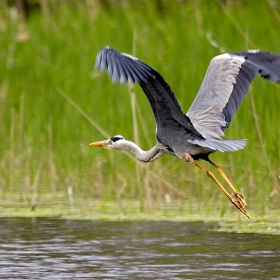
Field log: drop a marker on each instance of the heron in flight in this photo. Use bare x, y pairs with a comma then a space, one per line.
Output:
198, 133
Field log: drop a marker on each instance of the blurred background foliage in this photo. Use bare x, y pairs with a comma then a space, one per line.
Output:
53, 104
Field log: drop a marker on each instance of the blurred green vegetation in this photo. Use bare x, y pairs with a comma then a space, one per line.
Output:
46, 62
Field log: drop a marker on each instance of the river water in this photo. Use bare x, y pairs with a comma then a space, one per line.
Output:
63, 249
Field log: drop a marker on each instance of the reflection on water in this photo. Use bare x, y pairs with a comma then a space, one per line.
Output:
60, 249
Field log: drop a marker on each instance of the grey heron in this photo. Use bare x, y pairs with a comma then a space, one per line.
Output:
198, 133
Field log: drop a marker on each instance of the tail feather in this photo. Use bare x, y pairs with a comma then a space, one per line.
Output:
220, 144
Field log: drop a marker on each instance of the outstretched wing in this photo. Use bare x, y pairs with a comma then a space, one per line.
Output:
123, 67
225, 84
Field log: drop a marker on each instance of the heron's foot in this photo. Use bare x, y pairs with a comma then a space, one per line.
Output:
238, 200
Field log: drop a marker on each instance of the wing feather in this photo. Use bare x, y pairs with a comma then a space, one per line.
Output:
123, 67
225, 85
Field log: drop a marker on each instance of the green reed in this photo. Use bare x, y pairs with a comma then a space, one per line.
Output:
54, 104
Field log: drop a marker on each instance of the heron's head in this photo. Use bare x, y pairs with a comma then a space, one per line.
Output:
113, 143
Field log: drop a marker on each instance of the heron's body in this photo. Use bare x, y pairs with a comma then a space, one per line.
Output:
199, 132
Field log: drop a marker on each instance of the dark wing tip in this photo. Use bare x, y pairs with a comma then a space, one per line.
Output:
122, 67
266, 63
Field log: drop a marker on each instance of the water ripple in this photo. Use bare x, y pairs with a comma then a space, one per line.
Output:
57, 249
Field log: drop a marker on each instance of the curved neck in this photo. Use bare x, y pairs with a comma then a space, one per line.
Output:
145, 156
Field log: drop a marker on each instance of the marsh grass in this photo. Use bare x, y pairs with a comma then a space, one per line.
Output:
54, 104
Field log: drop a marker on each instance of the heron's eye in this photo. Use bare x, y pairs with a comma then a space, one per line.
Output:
117, 138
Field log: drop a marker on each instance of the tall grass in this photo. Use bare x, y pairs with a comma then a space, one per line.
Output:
54, 104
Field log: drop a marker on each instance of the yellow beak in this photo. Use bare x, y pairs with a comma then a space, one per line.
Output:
98, 144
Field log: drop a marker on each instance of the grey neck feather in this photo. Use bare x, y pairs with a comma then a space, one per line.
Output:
145, 156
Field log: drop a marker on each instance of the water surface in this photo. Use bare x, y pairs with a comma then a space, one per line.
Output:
62, 249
